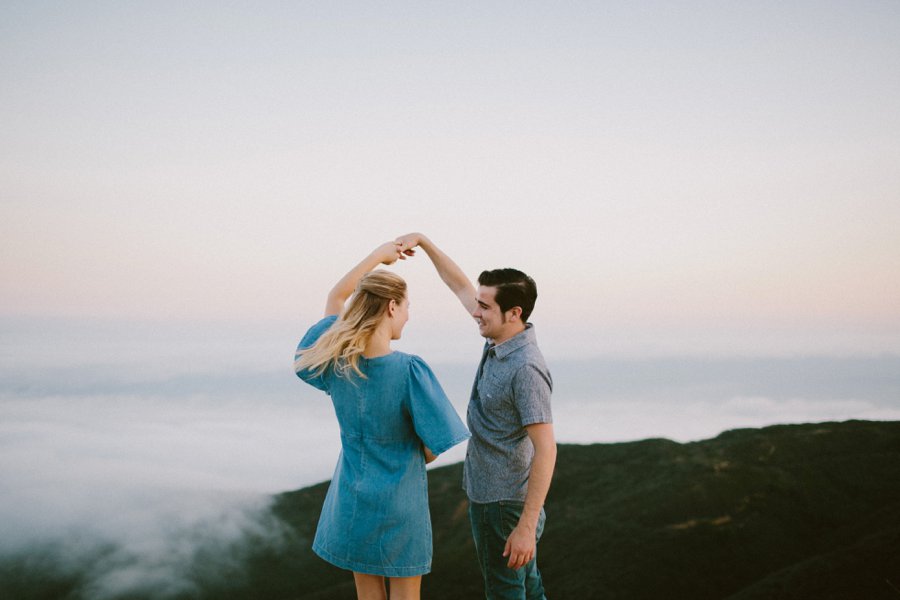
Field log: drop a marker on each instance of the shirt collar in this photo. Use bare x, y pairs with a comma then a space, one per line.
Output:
522, 338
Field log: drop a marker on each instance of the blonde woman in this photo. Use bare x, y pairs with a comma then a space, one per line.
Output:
393, 416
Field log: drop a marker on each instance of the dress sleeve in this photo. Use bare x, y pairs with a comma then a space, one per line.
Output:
314, 333
434, 418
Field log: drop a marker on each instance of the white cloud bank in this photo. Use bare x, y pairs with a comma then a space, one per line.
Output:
148, 483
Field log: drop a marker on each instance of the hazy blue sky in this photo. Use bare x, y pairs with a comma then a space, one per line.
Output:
701, 177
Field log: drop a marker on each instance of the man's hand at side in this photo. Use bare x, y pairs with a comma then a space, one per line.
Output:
520, 546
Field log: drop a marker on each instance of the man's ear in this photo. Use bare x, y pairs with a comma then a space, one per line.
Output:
515, 313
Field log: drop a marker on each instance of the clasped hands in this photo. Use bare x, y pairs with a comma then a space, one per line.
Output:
399, 249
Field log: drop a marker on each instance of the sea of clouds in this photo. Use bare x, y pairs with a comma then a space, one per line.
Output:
146, 468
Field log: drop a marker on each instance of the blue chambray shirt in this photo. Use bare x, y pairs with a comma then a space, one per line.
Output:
512, 389
375, 518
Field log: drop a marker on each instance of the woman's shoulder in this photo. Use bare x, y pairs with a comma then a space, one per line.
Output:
406, 357
406, 360
417, 366
409, 366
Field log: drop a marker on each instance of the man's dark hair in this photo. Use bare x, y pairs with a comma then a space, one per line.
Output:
514, 288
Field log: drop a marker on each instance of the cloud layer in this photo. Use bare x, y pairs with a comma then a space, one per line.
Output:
134, 482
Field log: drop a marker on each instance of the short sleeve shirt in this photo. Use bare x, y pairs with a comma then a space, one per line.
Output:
512, 390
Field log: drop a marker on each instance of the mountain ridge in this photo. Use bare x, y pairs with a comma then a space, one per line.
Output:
751, 513
785, 512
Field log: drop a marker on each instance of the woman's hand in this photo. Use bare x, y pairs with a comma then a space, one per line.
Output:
388, 253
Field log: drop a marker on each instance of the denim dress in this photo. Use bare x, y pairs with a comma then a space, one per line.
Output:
375, 518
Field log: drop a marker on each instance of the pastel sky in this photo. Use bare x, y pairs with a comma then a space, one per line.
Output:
696, 177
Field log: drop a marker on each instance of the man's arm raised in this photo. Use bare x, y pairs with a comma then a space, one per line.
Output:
448, 270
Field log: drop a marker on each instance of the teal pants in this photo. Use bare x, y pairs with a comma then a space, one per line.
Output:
491, 525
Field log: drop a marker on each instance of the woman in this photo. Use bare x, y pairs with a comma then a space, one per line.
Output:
394, 417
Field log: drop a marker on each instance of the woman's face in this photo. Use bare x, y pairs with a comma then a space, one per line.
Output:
399, 317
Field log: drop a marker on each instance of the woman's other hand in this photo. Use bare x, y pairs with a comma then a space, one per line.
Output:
388, 253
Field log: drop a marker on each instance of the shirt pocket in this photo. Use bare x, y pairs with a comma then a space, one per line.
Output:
494, 390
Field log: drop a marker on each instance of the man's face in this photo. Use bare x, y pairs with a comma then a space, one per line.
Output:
492, 322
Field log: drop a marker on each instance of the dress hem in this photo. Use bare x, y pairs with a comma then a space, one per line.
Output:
371, 569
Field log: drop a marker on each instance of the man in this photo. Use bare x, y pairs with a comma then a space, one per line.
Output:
512, 452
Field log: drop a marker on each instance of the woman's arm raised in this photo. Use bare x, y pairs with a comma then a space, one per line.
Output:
385, 254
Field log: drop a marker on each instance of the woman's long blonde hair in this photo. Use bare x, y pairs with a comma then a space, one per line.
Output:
343, 344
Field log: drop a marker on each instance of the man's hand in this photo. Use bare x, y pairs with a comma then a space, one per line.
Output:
520, 547
406, 243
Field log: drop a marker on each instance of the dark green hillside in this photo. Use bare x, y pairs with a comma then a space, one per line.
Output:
805, 511
785, 512
782, 512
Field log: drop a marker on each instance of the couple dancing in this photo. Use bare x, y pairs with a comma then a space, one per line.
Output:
394, 417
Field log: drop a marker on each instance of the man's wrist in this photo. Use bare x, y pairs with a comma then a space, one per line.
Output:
527, 527
423, 242
528, 522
